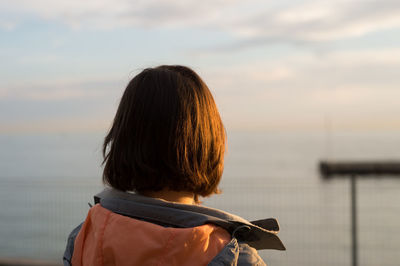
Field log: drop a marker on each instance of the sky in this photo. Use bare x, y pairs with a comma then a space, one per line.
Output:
286, 65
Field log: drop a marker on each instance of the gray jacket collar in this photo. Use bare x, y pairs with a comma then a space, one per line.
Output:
261, 234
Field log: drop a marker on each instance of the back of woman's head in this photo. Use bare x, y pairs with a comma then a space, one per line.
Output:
166, 134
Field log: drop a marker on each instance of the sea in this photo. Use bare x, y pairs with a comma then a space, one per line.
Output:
48, 179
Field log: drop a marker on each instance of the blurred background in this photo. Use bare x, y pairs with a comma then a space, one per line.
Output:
295, 82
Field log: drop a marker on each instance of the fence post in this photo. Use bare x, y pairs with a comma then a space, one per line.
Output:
354, 240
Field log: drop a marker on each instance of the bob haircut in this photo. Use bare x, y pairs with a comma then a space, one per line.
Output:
167, 134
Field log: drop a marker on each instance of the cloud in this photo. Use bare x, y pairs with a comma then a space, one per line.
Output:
292, 90
297, 83
58, 105
251, 22
305, 70
7, 25
83, 123
312, 22
62, 89
329, 20
108, 14
353, 86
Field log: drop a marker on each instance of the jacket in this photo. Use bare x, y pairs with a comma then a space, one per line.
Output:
129, 229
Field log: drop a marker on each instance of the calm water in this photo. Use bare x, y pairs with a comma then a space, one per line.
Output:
46, 182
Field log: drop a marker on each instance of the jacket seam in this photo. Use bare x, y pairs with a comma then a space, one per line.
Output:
101, 240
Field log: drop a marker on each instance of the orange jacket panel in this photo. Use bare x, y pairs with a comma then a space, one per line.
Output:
107, 238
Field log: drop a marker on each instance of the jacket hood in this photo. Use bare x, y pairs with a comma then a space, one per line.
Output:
260, 234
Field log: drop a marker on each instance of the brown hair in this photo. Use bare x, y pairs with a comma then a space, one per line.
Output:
166, 134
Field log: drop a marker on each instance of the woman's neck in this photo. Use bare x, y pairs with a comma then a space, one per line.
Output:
172, 196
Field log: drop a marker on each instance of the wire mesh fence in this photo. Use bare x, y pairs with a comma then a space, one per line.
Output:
38, 214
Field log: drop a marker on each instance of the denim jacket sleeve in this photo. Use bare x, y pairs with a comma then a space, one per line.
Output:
235, 253
69, 250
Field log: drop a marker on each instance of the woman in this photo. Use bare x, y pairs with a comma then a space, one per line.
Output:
164, 150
